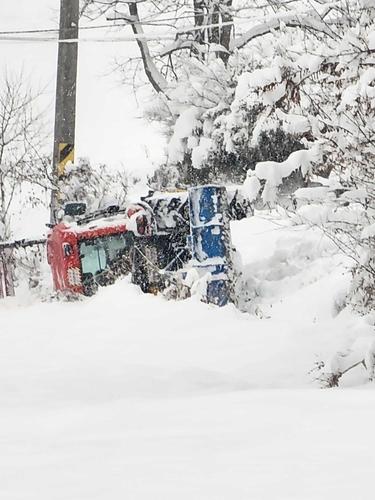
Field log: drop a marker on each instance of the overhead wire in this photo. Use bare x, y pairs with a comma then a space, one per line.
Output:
18, 35
14, 37
150, 22
129, 38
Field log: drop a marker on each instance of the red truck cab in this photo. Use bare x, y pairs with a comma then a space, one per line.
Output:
84, 255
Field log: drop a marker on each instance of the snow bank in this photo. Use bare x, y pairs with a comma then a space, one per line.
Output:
312, 194
322, 214
130, 396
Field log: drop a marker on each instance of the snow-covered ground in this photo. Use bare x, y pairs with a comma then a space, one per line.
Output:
129, 396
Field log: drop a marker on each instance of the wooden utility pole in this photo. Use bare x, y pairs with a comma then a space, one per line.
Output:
65, 114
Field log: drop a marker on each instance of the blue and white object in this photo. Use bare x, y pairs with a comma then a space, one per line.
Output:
210, 239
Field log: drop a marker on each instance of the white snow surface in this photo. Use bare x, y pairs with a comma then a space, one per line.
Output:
292, 123
129, 396
274, 172
310, 62
258, 78
200, 153
184, 127
368, 231
251, 185
312, 194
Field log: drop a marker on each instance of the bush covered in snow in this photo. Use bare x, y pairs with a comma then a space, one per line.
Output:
216, 136
96, 186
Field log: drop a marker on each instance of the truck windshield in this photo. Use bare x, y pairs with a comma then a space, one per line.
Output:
101, 253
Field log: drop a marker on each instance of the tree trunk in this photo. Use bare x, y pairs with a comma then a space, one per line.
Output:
226, 30
214, 18
153, 74
211, 12
199, 15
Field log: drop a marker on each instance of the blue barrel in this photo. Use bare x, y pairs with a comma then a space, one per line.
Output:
210, 239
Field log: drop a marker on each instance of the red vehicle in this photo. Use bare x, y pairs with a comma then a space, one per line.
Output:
94, 250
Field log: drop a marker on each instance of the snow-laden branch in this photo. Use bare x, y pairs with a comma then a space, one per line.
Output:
274, 172
307, 21
192, 45
179, 45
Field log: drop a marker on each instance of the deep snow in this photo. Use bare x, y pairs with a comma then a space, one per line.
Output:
126, 395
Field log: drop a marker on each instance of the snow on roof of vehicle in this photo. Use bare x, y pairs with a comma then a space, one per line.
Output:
112, 221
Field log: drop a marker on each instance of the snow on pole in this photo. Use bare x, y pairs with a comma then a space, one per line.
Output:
210, 239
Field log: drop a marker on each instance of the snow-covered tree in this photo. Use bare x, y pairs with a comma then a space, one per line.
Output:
97, 187
22, 162
284, 88
197, 72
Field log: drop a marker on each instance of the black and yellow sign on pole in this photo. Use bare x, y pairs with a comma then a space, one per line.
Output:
66, 154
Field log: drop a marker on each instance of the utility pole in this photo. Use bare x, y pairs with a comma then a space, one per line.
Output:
65, 111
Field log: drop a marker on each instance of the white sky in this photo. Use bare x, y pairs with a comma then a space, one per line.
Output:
109, 128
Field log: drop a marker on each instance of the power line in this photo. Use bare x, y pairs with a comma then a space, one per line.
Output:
130, 38
157, 22
47, 30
